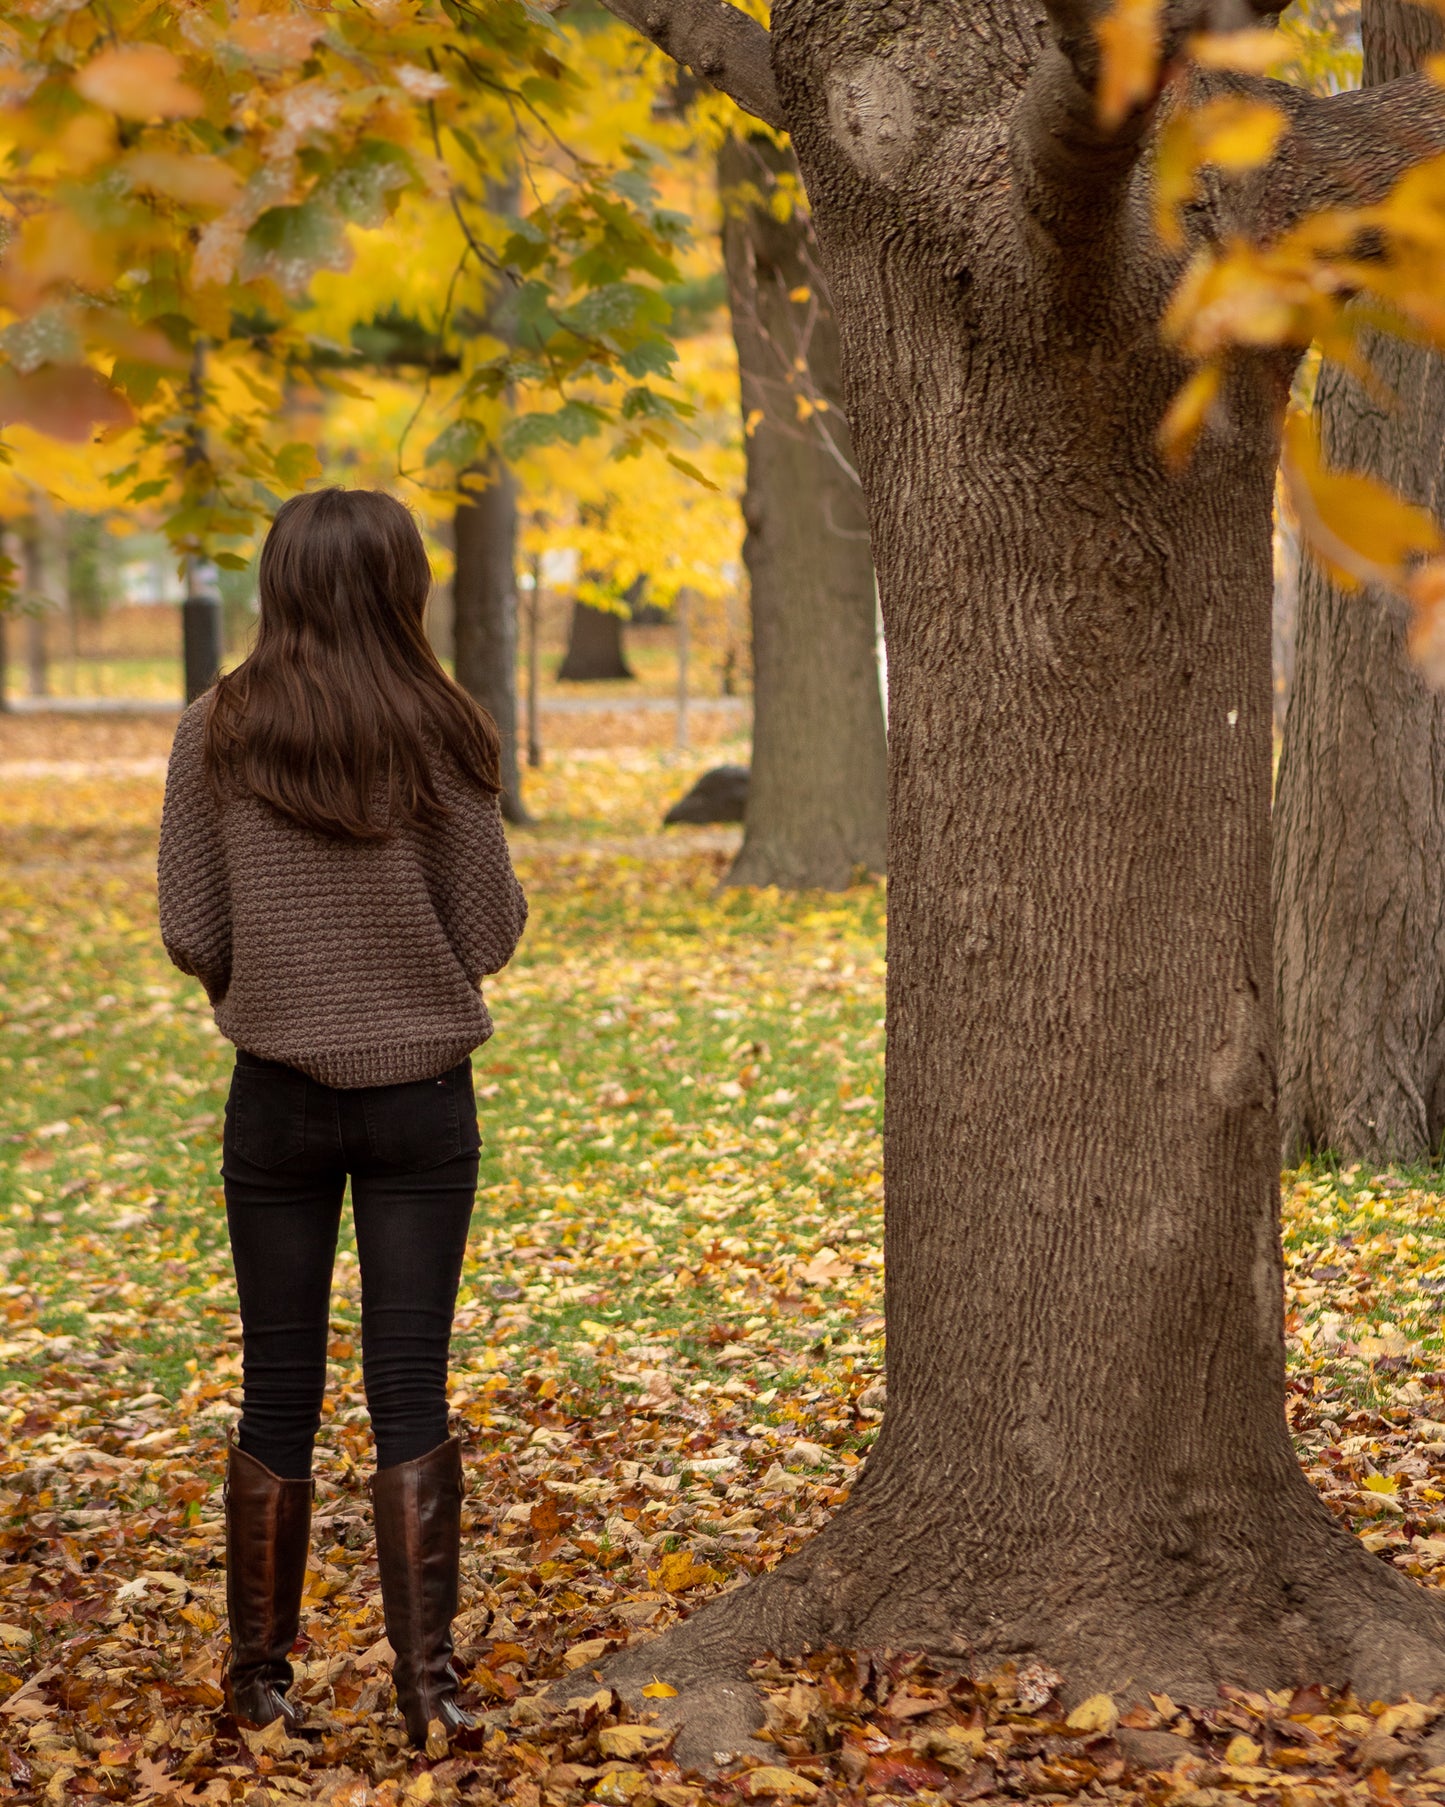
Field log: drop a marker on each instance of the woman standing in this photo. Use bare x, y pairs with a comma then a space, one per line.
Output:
333, 871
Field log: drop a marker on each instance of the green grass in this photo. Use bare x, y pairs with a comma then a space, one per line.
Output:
679, 1110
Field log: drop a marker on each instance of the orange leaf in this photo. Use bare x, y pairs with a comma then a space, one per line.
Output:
1251, 52
276, 37
194, 180
1426, 590
139, 81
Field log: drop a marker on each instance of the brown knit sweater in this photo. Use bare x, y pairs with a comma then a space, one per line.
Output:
358, 962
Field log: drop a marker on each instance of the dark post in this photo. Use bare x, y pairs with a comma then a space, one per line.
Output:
534, 667
201, 610
201, 627
9, 595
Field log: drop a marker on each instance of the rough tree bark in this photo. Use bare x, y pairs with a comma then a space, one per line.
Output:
818, 796
1085, 1455
484, 619
1359, 857
594, 646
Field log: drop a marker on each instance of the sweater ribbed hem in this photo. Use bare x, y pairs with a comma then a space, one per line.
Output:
392, 1063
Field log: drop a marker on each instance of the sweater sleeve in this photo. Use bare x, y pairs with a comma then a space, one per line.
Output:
482, 907
192, 879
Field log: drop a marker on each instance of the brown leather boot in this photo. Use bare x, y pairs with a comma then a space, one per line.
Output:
418, 1510
268, 1531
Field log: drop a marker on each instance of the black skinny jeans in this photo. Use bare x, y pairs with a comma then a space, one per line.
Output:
411, 1152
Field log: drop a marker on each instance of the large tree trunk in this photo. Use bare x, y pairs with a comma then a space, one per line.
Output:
594, 646
1360, 816
1085, 1457
818, 795
484, 616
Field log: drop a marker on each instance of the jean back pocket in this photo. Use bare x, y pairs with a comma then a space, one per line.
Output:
423, 1123
266, 1112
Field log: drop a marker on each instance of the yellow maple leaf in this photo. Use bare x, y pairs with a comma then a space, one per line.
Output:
1242, 1750
1180, 429
1129, 52
681, 1571
786, 1783
1096, 1714
658, 1690
1358, 528
1229, 132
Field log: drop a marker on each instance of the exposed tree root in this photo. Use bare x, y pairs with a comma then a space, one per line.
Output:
1335, 1616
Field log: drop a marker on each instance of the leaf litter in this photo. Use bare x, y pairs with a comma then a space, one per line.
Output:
668, 1369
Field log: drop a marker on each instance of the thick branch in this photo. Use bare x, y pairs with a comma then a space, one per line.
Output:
1071, 171
1342, 150
719, 42
1074, 170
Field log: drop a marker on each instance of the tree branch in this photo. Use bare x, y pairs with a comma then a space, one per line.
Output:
1342, 150
1070, 169
719, 42
1075, 170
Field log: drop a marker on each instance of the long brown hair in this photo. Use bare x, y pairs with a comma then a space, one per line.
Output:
338, 715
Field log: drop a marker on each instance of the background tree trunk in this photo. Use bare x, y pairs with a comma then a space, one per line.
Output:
594, 646
1360, 817
818, 794
45, 587
484, 616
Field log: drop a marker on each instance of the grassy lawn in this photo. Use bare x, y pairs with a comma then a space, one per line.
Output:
669, 1348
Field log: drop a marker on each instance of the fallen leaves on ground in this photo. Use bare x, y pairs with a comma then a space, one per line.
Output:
668, 1356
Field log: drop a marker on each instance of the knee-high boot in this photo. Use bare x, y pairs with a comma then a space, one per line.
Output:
418, 1511
268, 1532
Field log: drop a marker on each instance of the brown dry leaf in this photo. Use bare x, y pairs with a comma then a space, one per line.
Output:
67, 401
195, 180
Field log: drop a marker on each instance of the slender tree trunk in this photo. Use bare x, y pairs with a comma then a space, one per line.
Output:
1085, 1457
594, 647
44, 559
1286, 618
12, 555
683, 610
818, 793
1360, 818
534, 666
484, 618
